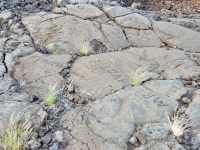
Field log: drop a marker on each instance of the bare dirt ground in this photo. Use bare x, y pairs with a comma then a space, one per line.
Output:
184, 6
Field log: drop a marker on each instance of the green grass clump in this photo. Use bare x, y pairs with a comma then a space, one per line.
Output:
139, 76
86, 48
55, 49
51, 95
16, 135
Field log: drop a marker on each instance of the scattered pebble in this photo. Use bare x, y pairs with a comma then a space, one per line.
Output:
134, 141
71, 88
59, 136
54, 146
182, 109
141, 137
46, 139
33, 144
185, 100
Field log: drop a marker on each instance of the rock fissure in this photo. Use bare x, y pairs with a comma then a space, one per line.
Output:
4, 63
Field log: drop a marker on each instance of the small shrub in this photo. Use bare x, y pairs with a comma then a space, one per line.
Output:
17, 134
86, 48
179, 124
140, 75
55, 49
51, 95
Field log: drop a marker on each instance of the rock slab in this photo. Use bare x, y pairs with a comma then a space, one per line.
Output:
177, 36
109, 72
72, 32
109, 122
39, 71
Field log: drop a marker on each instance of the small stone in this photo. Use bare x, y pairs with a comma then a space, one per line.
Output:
71, 88
62, 109
5, 33
46, 139
59, 136
41, 133
50, 116
10, 22
34, 135
33, 144
186, 100
77, 98
33, 98
54, 147
157, 17
43, 114
74, 56
141, 137
187, 82
81, 101
6, 15
180, 140
50, 144
43, 50
135, 5
13, 43
65, 72
45, 146
69, 65
194, 84
182, 109
133, 140
61, 3
70, 97
186, 137
113, 3
187, 78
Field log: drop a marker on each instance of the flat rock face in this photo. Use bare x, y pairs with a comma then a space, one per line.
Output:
116, 11
5, 15
154, 145
135, 21
2, 42
25, 46
7, 83
14, 103
109, 122
39, 71
72, 32
193, 109
84, 11
178, 36
143, 38
171, 90
188, 23
112, 71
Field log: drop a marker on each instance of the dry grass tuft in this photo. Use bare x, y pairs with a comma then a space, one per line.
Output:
140, 75
180, 124
17, 134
